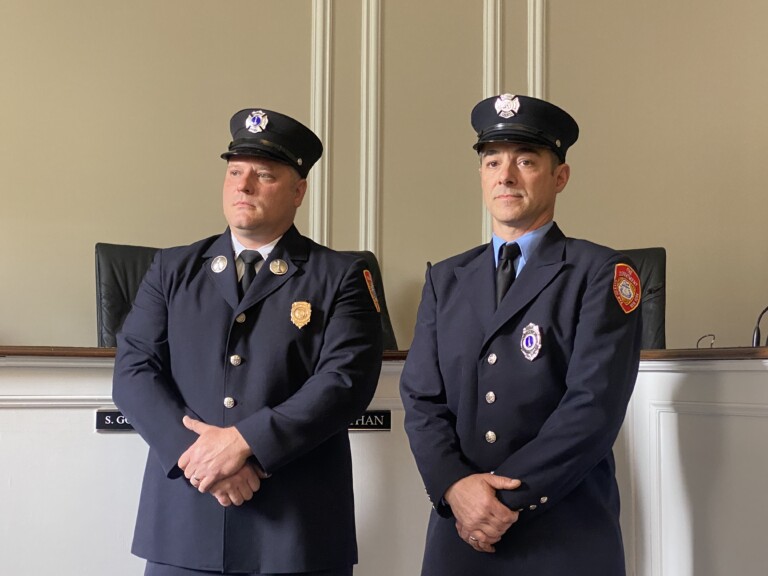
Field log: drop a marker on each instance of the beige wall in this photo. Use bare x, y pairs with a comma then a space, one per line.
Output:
113, 116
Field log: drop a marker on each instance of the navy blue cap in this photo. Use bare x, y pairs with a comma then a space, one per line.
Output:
510, 118
269, 134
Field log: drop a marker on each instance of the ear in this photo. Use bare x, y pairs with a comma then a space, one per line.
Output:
301, 189
562, 175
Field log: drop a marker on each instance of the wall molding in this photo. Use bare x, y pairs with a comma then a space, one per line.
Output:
537, 43
493, 40
369, 127
44, 402
492, 59
320, 101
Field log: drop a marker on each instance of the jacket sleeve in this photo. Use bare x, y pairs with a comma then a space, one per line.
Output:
142, 386
429, 421
581, 431
339, 390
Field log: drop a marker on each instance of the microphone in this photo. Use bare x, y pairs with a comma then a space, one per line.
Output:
756, 333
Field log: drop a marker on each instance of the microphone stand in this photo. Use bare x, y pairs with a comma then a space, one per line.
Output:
756, 332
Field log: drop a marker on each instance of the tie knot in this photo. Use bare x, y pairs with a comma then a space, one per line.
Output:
250, 256
509, 251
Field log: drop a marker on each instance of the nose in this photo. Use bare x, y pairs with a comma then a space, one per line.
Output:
508, 174
244, 184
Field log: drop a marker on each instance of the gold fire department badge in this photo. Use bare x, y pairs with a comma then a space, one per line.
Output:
300, 313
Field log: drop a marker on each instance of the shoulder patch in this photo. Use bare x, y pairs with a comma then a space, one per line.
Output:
626, 287
371, 289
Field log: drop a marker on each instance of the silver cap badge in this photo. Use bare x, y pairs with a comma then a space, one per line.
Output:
507, 105
257, 121
530, 343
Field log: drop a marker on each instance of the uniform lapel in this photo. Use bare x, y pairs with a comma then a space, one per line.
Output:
293, 250
225, 280
539, 271
477, 283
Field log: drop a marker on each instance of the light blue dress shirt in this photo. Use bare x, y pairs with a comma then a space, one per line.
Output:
528, 243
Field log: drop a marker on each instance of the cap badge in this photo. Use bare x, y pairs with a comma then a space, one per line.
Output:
300, 314
507, 105
219, 264
626, 287
371, 289
256, 122
530, 343
278, 267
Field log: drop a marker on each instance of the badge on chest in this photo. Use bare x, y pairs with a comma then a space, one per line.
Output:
530, 343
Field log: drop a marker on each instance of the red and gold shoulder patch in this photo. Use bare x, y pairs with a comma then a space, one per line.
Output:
626, 287
371, 289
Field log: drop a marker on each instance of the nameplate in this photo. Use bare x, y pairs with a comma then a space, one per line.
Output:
108, 420
112, 421
379, 420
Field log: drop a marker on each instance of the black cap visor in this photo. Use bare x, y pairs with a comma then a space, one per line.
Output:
520, 134
264, 149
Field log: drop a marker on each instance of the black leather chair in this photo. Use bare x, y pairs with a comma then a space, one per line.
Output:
652, 268
119, 271
121, 267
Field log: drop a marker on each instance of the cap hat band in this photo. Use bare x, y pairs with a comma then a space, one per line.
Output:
519, 128
249, 143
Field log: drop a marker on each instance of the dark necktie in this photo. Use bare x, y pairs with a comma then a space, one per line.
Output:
505, 272
249, 258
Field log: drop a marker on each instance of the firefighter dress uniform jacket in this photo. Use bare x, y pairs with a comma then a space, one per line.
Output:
290, 366
535, 390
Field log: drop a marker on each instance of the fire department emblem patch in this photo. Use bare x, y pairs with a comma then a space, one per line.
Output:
371, 289
626, 287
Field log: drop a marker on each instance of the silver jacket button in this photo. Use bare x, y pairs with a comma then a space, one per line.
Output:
240, 318
235, 360
492, 358
229, 402
490, 397
490, 436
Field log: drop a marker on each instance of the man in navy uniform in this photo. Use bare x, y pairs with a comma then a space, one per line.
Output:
523, 361
243, 360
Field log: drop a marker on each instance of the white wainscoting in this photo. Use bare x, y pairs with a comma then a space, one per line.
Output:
68, 494
692, 465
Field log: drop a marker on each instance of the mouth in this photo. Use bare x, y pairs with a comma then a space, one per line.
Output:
511, 195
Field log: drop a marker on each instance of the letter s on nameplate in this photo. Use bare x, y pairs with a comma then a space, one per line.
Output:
112, 420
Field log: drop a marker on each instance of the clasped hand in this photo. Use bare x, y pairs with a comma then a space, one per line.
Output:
217, 463
481, 519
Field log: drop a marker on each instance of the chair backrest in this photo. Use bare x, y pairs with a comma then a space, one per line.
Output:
652, 268
119, 271
121, 267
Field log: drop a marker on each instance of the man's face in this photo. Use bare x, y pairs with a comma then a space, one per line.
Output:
520, 183
261, 197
